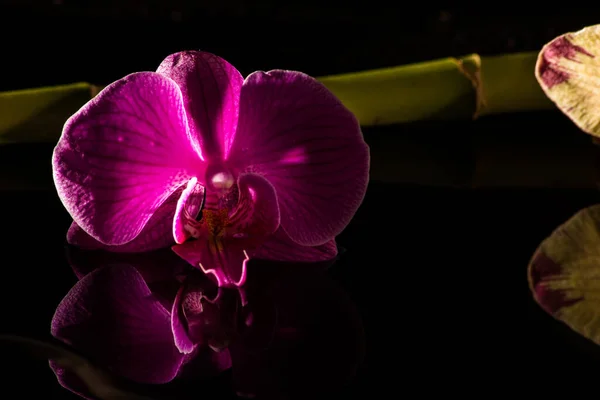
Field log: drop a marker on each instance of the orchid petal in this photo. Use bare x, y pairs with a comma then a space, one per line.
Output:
279, 247
78, 237
157, 233
182, 340
152, 237
568, 71
188, 207
122, 155
112, 316
160, 269
211, 90
564, 271
302, 139
257, 212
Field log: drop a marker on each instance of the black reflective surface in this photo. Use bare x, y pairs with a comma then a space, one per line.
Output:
438, 277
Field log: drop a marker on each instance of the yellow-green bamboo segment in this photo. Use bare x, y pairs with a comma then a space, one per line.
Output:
38, 115
451, 88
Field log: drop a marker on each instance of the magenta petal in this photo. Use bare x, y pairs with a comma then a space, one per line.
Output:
122, 155
188, 208
77, 237
211, 91
299, 136
112, 316
178, 325
257, 212
279, 247
157, 233
154, 236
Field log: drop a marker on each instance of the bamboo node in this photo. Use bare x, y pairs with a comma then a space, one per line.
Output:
473, 73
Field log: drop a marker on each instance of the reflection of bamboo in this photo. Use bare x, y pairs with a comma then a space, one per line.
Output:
452, 88
528, 150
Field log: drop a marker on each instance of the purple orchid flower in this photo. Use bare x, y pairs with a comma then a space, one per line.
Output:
270, 167
120, 315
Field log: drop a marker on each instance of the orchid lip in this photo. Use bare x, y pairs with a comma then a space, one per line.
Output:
222, 279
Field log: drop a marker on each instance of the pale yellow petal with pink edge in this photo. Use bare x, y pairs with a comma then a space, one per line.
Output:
568, 70
564, 273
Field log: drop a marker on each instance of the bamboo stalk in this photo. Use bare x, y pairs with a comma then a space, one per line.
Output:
451, 88
38, 115
443, 89
510, 86
424, 91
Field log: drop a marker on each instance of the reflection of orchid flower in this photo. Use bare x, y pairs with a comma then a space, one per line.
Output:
112, 316
297, 317
274, 165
